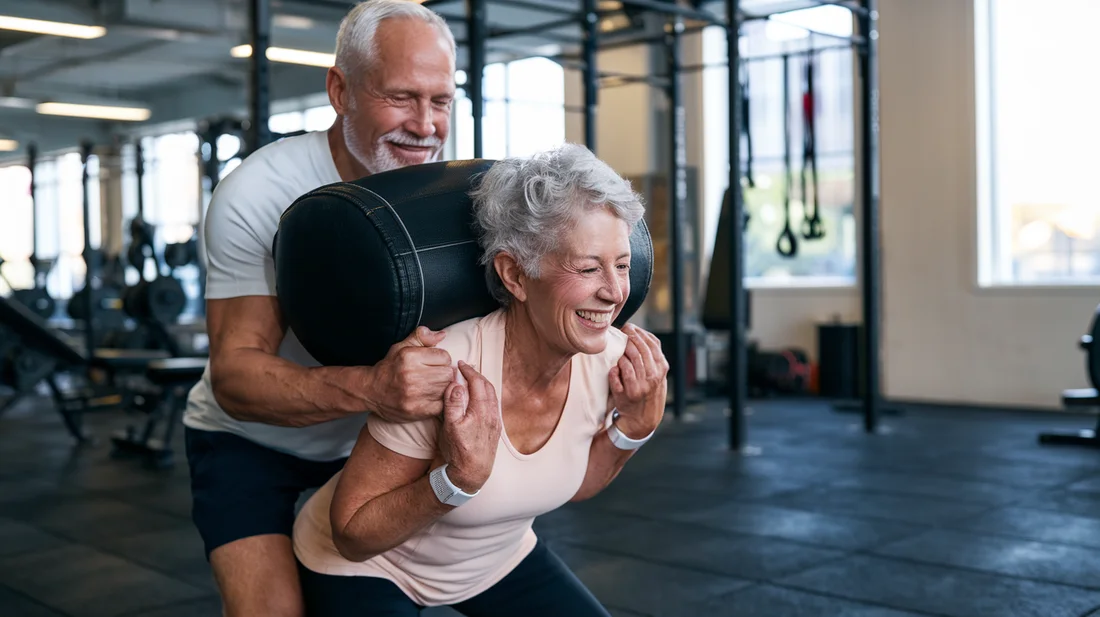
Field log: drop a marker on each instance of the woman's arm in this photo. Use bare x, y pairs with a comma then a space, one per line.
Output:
383, 498
638, 391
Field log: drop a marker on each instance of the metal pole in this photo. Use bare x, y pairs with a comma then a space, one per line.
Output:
677, 188
668, 8
476, 33
139, 171
32, 159
737, 373
869, 167
91, 273
591, 73
260, 75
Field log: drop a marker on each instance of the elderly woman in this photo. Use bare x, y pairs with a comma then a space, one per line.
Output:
439, 512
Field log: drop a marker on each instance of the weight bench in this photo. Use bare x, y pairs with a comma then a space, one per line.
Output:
32, 353
1084, 397
173, 379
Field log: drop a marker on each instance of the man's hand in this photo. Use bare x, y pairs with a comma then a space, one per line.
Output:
638, 386
408, 384
471, 430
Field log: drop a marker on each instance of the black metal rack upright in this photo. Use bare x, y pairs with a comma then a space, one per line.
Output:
585, 15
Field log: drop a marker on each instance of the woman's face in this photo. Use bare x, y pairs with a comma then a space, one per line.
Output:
583, 284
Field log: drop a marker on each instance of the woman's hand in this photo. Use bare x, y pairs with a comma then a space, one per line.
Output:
471, 430
638, 386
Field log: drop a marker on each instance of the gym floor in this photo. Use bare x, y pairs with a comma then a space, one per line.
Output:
946, 513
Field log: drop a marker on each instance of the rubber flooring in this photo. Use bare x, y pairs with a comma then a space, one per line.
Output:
953, 513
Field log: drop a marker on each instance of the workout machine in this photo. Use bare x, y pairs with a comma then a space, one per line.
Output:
31, 353
1084, 398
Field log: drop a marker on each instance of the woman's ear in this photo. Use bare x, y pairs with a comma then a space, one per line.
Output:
511, 274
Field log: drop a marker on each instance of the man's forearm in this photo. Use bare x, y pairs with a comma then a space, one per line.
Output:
605, 461
254, 386
388, 520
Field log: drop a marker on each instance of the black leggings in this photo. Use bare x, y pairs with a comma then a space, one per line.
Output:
540, 586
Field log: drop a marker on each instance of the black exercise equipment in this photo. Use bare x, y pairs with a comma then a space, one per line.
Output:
746, 124
31, 353
812, 228
359, 265
1086, 397
171, 380
716, 303
787, 244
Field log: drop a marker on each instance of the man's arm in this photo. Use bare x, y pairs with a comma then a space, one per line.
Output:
253, 384
383, 498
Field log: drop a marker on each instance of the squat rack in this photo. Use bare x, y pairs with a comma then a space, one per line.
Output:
586, 15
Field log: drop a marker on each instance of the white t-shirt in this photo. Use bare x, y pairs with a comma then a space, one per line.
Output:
240, 226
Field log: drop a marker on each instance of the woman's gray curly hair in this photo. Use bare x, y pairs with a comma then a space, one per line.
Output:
523, 205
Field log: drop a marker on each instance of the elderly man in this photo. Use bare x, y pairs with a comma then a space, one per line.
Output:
266, 423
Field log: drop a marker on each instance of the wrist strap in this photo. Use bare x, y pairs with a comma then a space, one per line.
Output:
622, 442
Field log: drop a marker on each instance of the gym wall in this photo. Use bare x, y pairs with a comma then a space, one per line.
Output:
945, 340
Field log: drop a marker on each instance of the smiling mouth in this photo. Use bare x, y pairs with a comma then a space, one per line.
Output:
594, 319
411, 149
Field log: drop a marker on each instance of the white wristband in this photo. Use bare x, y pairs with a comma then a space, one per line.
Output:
622, 442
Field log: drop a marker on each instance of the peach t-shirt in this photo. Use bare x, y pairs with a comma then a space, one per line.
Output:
475, 545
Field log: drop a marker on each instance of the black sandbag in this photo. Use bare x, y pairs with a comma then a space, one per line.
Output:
359, 265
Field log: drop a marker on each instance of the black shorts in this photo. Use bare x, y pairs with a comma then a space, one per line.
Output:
240, 489
540, 586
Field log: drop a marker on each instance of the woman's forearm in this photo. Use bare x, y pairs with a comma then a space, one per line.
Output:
388, 520
605, 461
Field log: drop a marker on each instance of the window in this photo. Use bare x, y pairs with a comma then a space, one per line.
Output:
828, 261
524, 110
1039, 215
15, 233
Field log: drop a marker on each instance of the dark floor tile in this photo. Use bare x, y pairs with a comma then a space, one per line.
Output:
736, 555
942, 591
84, 582
647, 587
579, 525
769, 601
17, 538
1054, 563
877, 505
730, 483
15, 604
176, 552
1080, 503
207, 607
829, 530
171, 496
1038, 525
89, 518
440, 611
1087, 485
664, 504
963, 491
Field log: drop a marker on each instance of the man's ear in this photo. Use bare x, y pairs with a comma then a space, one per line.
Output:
511, 274
337, 86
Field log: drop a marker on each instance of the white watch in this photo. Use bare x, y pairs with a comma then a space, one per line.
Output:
445, 490
622, 442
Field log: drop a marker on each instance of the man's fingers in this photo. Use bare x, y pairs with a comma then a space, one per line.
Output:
423, 336
428, 356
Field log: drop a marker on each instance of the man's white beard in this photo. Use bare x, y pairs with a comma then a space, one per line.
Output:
379, 157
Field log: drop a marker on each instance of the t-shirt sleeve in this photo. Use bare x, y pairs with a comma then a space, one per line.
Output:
414, 439
238, 235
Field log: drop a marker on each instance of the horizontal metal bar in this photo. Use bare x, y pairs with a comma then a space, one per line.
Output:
539, 30
537, 6
746, 17
692, 68
674, 9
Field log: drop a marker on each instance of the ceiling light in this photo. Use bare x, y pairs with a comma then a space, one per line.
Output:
55, 28
102, 112
289, 56
16, 102
8, 145
292, 22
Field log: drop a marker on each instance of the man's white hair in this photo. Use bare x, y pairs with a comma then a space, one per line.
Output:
356, 47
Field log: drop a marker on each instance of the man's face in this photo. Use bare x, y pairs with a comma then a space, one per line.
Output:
398, 111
